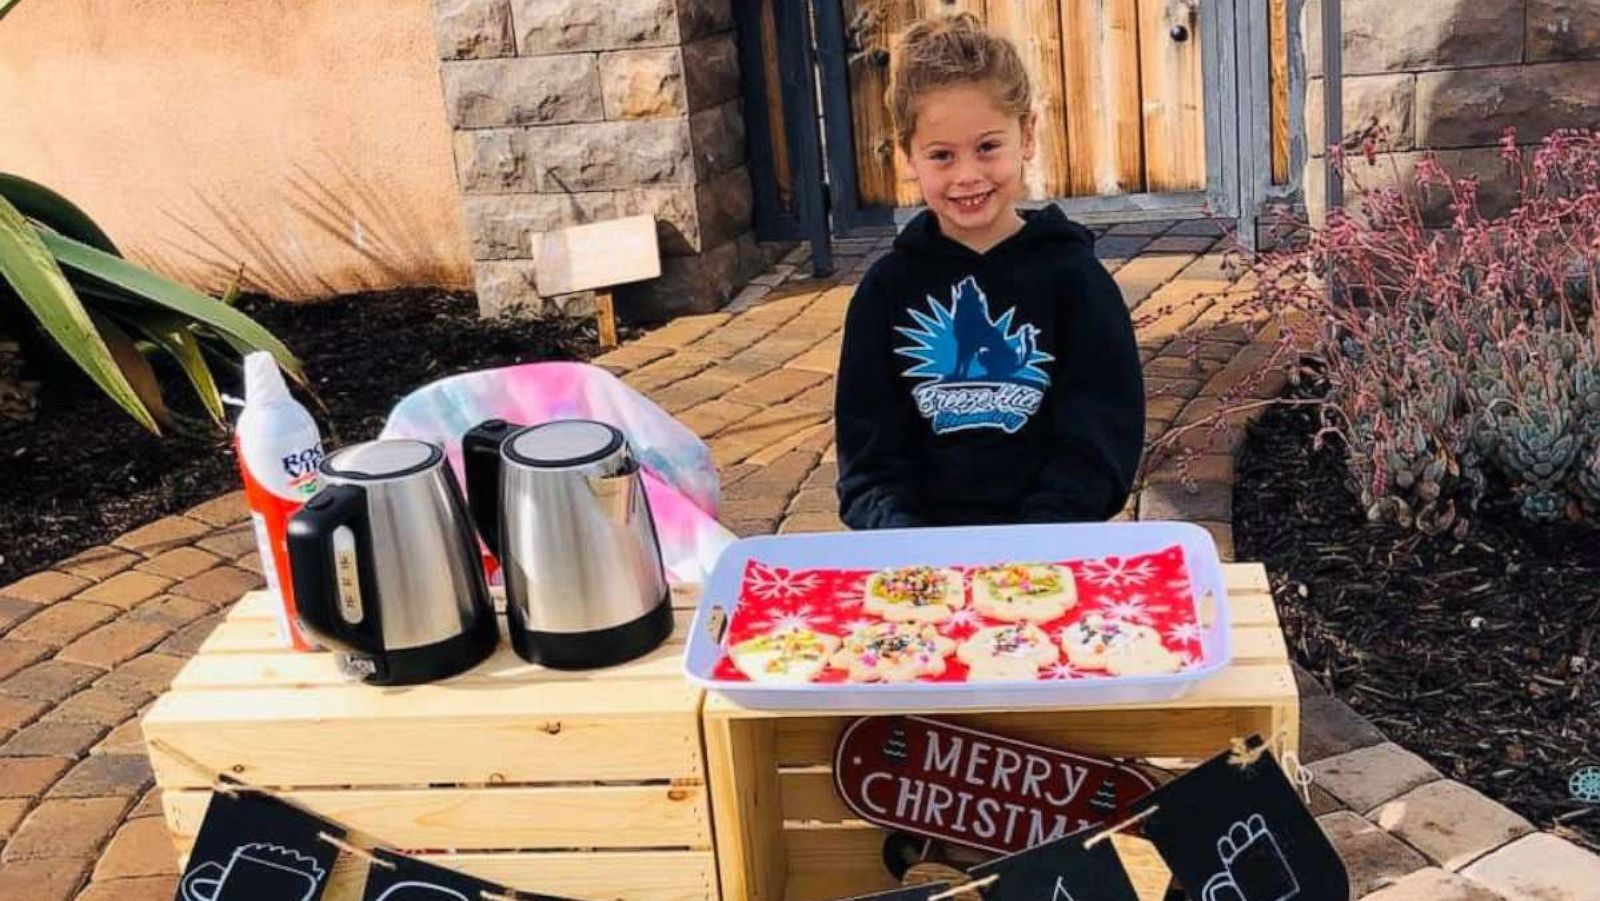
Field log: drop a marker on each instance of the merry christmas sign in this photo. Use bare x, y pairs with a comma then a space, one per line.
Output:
977, 789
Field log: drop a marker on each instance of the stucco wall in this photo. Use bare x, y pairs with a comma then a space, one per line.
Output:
304, 140
1450, 76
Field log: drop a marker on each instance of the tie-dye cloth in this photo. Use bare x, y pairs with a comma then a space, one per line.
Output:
680, 478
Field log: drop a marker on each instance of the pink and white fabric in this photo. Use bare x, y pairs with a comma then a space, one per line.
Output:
680, 477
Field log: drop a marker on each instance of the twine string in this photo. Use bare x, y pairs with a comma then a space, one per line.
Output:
957, 891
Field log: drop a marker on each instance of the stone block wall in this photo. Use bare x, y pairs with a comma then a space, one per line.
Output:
572, 111
1450, 76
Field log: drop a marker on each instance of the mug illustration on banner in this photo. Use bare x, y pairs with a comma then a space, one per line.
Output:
255, 871
421, 891
1253, 867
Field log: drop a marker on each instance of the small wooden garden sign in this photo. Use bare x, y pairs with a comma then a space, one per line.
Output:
977, 789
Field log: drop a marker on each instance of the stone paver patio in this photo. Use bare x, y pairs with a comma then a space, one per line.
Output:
86, 645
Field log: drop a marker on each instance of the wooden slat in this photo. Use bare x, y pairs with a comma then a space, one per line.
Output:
532, 731
640, 876
1196, 732
228, 664
246, 654
1172, 88
743, 775
1100, 59
1245, 577
489, 819
609, 875
773, 82
1035, 27
879, 170
834, 862
261, 605
1278, 37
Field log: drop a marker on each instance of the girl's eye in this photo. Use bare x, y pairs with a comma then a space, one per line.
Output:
988, 146
941, 156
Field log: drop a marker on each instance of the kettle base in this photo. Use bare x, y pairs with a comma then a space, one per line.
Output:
440, 660
601, 647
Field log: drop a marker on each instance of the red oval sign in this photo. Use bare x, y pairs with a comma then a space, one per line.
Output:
977, 789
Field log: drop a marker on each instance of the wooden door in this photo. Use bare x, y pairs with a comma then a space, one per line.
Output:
1117, 88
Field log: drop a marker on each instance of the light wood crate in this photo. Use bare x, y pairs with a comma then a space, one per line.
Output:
588, 784
782, 834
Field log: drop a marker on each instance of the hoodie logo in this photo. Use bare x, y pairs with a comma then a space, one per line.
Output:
979, 372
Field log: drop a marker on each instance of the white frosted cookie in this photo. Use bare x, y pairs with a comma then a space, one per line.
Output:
787, 656
1089, 641
914, 594
1015, 651
1036, 592
1142, 658
893, 652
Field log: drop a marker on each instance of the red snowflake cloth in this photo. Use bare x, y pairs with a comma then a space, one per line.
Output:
1147, 589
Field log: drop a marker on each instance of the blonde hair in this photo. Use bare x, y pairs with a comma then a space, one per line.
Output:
953, 50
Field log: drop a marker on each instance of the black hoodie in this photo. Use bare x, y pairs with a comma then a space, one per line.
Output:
988, 388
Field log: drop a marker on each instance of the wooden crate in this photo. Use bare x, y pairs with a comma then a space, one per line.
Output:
589, 784
782, 833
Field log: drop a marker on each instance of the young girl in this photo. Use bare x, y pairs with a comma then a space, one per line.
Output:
989, 372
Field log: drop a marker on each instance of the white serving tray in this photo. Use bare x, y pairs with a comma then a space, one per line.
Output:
967, 546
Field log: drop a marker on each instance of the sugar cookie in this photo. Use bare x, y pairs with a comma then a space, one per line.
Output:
788, 656
1015, 651
1089, 640
1141, 658
893, 652
914, 594
1036, 592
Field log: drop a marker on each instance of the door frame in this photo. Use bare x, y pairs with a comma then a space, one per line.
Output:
1235, 65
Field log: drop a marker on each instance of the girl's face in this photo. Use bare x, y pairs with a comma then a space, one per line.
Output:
967, 156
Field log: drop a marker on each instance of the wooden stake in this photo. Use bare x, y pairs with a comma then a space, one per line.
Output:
606, 314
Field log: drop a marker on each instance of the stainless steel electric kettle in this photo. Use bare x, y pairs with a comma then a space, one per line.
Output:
386, 568
563, 508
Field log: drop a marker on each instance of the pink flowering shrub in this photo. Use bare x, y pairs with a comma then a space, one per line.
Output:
1463, 361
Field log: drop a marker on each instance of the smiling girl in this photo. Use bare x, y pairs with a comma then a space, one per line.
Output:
989, 372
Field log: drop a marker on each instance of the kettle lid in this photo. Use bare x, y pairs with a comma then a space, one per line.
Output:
564, 443
383, 459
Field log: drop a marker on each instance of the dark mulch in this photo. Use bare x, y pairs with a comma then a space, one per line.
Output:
1479, 655
84, 473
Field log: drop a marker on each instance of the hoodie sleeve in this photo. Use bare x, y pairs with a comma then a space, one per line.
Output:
873, 420
1097, 408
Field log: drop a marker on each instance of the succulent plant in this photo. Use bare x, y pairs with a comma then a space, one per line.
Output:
1541, 505
1537, 447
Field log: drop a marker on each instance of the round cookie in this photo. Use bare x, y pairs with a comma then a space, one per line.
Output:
789, 656
914, 594
1089, 641
1015, 651
1142, 658
893, 652
1035, 592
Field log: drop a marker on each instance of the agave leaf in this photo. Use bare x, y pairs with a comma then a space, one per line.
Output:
240, 330
171, 334
134, 365
27, 266
41, 204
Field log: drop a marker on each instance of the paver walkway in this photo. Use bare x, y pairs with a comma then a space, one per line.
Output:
86, 645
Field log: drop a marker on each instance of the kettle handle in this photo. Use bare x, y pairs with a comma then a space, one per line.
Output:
480, 452
331, 532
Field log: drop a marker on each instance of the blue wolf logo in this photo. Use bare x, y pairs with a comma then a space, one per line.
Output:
980, 371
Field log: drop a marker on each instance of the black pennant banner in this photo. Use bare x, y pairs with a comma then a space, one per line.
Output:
1062, 870
1233, 829
396, 877
253, 847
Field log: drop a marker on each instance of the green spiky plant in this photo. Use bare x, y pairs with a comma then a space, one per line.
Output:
112, 317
